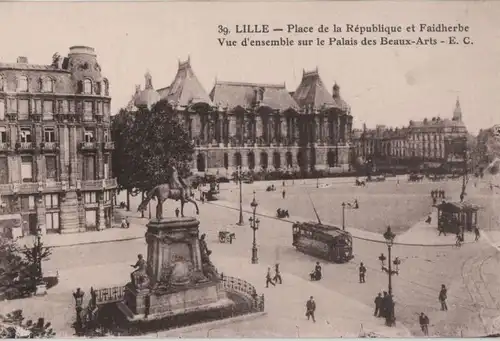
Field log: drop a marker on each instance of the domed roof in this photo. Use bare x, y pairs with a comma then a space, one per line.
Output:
149, 96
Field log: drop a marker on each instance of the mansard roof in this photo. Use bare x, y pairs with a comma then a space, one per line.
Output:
233, 94
311, 92
185, 89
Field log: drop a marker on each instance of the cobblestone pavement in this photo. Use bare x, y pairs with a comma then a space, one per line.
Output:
469, 273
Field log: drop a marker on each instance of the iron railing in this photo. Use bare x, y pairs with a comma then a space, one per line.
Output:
109, 295
233, 284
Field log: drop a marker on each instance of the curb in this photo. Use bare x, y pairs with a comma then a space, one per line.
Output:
96, 242
353, 236
211, 325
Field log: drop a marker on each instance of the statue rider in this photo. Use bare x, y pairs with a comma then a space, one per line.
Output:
177, 182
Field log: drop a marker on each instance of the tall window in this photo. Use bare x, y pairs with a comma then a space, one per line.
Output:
51, 165
27, 203
27, 168
23, 109
22, 84
52, 221
3, 135
2, 110
90, 198
12, 105
26, 135
106, 166
71, 106
48, 107
51, 201
4, 171
106, 136
87, 86
38, 106
106, 87
87, 110
89, 168
88, 135
47, 85
49, 135
2, 84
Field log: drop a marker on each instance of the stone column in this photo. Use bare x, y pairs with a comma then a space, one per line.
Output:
101, 222
259, 129
283, 128
40, 210
296, 129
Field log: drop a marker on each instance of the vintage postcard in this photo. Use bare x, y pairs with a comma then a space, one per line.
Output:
249, 170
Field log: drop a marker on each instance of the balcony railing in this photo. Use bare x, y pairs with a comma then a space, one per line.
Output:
88, 146
96, 185
4, 146
110, 145
49, 146
26, 146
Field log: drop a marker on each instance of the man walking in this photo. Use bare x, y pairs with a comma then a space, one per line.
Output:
269, 279
277, 275
283, 194
424, 323
177, 212
476, 233
442, 297
362, 272
378, 305
310, 309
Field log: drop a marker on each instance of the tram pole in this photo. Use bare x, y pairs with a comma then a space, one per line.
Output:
240, 221
343, 216
254, 225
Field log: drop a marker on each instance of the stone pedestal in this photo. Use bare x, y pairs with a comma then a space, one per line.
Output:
179, 278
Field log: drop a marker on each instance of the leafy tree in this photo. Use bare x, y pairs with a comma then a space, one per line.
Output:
33, 257
13, 325
150, 141
11, 265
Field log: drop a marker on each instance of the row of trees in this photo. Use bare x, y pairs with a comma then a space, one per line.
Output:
145, 143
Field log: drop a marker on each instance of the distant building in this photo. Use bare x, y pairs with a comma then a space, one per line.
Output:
55, 164
257, 126
428, 141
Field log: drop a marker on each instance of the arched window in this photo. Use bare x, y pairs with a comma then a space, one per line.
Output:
105, 85
226, 161
289, 159
87, 86
237, 159
331, 158
22, 84
300, 159
251, 160
263, 160
276, 160
47, 84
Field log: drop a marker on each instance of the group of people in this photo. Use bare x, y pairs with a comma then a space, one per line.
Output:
316, 275
277, 276
384, 307
438, 194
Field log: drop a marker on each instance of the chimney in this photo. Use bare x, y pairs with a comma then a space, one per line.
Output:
335, 90
22, 60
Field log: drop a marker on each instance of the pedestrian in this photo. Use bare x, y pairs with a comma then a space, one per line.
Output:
441, 229
434, 201
390, 315
476, 232
384, 305
277, 274
442, 297
424, 323
231, 237
269, 279
362, 273
310, 309
429, 219
283, 194
458, 240
283, 183
177, 212
378, 305
432, 194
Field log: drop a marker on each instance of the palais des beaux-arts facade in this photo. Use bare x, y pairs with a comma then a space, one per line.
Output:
257, 126
55, 164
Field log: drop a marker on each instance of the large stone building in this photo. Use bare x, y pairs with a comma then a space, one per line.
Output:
55, 164
431, 140
257, 126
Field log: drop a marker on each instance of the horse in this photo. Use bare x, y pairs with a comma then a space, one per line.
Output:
360, 183
164, 192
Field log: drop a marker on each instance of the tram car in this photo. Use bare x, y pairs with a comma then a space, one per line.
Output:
325, 241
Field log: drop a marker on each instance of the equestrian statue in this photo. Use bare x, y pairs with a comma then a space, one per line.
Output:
177, 189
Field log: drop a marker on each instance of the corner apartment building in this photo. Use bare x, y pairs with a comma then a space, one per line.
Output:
55, 147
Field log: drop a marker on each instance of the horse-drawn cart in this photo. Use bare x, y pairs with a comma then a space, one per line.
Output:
226, 237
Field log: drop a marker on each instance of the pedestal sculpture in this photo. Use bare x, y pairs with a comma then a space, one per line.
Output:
177, 278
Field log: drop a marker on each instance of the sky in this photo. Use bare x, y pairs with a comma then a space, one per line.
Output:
387, 85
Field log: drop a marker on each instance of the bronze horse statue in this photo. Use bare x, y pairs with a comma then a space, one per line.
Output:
164, 192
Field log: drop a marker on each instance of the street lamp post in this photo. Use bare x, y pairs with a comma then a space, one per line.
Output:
254, 225
343, 216
240, 221
389, 237
78, 296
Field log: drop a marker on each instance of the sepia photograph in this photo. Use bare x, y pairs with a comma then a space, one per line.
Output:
250, 169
